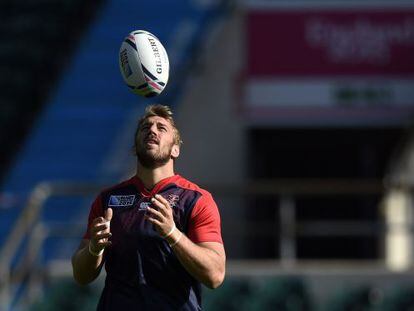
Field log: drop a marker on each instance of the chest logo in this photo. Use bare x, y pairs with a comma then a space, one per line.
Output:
143, 206
173, 199
121, 200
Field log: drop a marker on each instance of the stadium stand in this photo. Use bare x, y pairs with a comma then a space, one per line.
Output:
233, 295
358, 298
282, 293
86, 122
79, 128
33, 52
63, 295
399, 298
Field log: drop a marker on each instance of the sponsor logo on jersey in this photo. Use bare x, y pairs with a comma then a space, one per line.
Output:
143, 206
173, 199
121, 200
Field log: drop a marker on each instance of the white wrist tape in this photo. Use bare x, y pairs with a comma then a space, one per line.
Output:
169, 233
94, 253
178, 240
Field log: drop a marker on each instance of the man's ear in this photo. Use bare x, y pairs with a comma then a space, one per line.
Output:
175, 152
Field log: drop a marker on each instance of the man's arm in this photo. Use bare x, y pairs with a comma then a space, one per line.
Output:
87, 261
86, 267
204, 261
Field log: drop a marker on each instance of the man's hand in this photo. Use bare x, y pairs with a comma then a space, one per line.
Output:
87, 261
161, 216
100, 232
204, 261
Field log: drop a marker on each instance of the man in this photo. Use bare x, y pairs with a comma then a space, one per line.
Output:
157, 233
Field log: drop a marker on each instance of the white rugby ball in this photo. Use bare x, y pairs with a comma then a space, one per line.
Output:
144, 64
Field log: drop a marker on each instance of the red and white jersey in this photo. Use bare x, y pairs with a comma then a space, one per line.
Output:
140, 263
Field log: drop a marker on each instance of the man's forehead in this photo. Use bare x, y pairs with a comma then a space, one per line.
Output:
156, 120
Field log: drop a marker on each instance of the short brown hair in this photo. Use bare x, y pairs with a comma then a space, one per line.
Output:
163, 112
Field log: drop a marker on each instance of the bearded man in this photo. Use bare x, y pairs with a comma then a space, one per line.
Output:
157, 234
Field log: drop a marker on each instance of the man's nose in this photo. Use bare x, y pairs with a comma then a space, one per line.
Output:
153, 129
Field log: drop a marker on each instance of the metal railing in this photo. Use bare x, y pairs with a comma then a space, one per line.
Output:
29, 226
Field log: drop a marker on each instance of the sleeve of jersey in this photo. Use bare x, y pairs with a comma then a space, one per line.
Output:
205, 223
95, 211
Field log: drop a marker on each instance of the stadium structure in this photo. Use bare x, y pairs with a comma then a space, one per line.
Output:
296, 115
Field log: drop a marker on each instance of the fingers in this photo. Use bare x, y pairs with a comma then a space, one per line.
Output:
105, 244
100, 240
162, 205
101, 244
155, 214
108, 214
154, 221
161, 215
162, 200
104, 235
107, 218
100, 227
99, 231
98, 220
100, 237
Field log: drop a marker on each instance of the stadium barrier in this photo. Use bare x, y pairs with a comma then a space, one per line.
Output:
29, 227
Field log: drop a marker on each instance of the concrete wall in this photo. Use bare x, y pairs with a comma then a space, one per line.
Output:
213, 134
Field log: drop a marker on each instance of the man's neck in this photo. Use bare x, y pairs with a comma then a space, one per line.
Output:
150, 177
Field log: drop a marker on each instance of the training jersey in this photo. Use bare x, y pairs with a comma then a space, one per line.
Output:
143, 272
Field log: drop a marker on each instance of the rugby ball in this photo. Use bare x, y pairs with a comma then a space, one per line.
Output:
144, 64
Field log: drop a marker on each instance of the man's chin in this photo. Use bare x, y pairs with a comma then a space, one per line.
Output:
151, 147
152, 165
151, 162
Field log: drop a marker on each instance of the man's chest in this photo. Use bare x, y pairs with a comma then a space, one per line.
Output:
130, 211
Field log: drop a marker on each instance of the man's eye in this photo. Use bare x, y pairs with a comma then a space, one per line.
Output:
162, 128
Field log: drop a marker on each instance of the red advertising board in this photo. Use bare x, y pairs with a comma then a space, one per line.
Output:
330, 61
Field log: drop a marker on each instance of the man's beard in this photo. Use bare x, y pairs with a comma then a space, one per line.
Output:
150, 160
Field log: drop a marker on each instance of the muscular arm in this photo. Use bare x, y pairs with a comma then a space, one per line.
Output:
86, 267
204, 261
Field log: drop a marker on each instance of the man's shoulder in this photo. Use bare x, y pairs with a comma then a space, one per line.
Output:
189, 185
